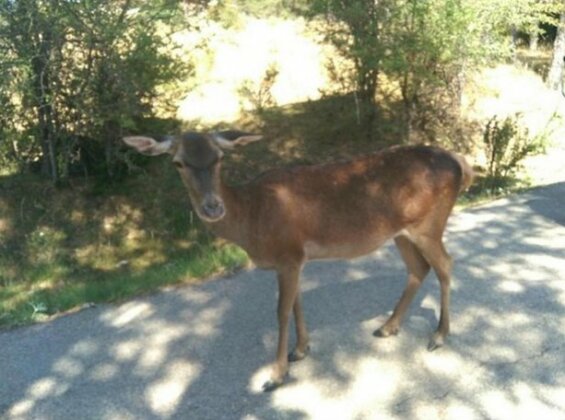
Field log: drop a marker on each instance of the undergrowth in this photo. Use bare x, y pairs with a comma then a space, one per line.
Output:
64, 248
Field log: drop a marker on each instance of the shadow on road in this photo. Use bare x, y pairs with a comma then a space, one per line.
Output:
199, 352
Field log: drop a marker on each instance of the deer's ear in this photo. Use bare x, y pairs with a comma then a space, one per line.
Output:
231, 138
149, 146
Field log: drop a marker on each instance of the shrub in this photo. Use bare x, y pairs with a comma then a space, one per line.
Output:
507, 144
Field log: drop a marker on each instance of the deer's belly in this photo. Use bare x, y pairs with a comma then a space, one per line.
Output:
346, 250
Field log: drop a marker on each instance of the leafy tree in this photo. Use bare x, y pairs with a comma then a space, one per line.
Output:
79, 73
527, 16
424, 47
429, 52
354, 29
555, 76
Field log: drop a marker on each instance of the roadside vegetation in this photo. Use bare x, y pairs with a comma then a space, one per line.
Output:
83, 220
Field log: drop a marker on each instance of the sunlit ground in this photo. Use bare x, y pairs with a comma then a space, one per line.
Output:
241, 57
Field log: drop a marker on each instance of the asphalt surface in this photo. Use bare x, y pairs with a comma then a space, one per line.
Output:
200, 352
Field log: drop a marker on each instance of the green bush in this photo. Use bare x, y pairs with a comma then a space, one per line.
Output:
76, 75
507, 144
259, 94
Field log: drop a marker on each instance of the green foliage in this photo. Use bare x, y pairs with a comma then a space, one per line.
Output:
431, 48
354, 29
228, 12
63, 248
45, 244
503, 16
78, 73
418, 50
259, 95
23, 305
507, 144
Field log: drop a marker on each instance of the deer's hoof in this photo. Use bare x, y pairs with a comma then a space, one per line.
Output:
386, 332
272, 384
436, 342
297, 355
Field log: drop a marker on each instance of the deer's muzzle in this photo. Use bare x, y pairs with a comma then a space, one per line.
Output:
213, 209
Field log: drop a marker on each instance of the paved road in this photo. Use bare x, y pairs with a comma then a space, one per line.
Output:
199, 352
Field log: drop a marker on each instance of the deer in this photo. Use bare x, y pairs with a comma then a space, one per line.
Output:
340, 210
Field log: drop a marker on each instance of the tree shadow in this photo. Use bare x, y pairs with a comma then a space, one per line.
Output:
541, 200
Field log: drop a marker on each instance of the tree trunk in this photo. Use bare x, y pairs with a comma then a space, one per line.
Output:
111, 128
39, 39
514, 35
366, 100
42, 93
555, 76
534, 41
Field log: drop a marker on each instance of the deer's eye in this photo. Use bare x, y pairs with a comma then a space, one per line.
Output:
177, 164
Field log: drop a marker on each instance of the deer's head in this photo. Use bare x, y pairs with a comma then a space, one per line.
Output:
197, 157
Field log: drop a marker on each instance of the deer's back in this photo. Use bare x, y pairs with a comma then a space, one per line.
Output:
346, 209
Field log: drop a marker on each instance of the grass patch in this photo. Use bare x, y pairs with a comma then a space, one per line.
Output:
63, 248
485, 189
23, 303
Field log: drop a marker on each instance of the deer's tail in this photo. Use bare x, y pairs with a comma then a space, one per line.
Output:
468, 173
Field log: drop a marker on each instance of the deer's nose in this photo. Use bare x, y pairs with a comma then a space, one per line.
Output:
213, 208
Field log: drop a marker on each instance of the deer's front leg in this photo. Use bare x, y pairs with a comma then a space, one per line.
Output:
288, 290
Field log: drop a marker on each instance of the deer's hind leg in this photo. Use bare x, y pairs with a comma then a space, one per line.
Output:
434, 251
428, 239
417, 268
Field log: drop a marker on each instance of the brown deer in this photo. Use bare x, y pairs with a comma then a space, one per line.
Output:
287, 217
